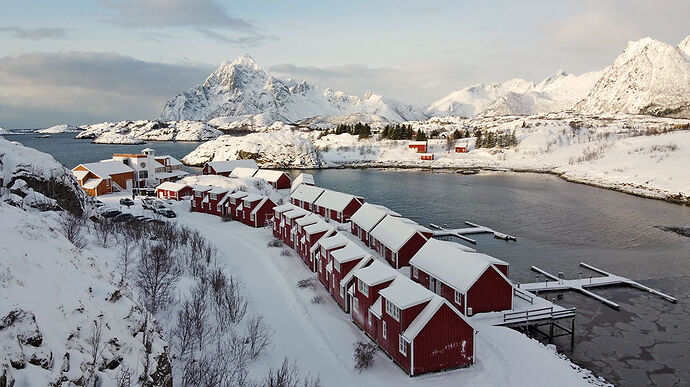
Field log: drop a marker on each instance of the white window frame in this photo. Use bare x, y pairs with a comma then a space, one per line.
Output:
402, 347
458, 297
219, 207
214, 196
193, 204
369, 319
392, 310
197, 194
415, 272
342, 292
355, 301
362, 287
384, 328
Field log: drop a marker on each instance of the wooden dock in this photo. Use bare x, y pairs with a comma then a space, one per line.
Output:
581, 285
473, 229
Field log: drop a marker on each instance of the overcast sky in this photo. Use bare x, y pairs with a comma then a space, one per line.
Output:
83, 62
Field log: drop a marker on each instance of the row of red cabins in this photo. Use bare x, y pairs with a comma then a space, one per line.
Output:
419, 322
247, 168
249, 208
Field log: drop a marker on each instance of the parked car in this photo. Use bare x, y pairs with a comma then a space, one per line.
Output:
168, 213
123, 217
111, 213
126, 202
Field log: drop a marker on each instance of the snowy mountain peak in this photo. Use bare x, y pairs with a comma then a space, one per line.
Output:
684, 46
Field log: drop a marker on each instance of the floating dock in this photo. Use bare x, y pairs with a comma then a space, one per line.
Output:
473, 229
554, 283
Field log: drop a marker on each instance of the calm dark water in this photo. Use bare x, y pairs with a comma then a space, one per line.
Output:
558, 224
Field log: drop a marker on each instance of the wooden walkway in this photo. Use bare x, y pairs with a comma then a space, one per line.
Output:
582, 284
473, 229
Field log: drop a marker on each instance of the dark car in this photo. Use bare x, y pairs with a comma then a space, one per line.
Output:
123, 217
168, 213
126, 202
111, 213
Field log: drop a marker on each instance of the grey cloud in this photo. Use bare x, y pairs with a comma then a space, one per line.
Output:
35, 33
42, 89
243, 41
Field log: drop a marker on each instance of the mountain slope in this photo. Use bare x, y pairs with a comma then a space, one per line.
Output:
649, 77
242, 88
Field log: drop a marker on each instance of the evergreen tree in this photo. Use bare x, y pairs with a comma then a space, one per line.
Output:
420, 136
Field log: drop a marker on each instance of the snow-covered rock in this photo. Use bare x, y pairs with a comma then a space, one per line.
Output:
3, 131
62, 128
136, 132
242, 89
649, 77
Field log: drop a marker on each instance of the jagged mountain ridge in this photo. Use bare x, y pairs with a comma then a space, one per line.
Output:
241, 88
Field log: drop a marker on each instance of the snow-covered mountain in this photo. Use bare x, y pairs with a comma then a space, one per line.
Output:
241, 88
136, 132
649, 77
516, 97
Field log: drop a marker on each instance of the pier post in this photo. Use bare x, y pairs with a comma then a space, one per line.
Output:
572, 333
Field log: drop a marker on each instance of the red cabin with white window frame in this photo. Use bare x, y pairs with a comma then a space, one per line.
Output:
312, 234
305, 195
461, 149
288, 220
367, 283
261, 213
344, 261
215, 196
298, 230
366, 218
173, 191
337, 205
470, 281
277, 179
200, 198
419, 146
278, 217
398, 239
426, 156
324, 264
421, 331
233, 205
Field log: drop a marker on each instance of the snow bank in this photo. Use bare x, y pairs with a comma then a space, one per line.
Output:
136, 132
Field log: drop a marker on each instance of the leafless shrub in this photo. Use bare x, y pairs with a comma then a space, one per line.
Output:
73, 229
157, 273
229, 304
317, 300
288, 376
364, 355
94, 346
275, 243
306, 283
104, 230
126, 236
258, 336
198, 309
286, 253
183, 332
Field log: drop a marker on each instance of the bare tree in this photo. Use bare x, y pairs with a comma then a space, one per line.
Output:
199, 314
103, 230
229, 304
95, 349
258, 336
183, 332
73, 229
127, 241
157, 273
364, 355
288, 376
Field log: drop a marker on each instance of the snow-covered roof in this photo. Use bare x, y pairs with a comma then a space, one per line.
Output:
104, 169
92, 183
329, 232
205, 199
237, 195
376, 273
284, 207
224, 199
426, 315
332, 242
229, 165
417, 143
395, 231
302, 178
307, 193
350, 252
171, 160
218, 190
311, 218
351, 274
252, 197
295, 213
270, 175
376, 308
405, 293
329, 267
171, 186
147, 150
243, 172
261, 204
80, 174
317, 227
456, 268
369, 215
334, 200
202, 188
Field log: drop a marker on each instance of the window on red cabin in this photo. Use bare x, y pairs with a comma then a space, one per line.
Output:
402, 345
393, 310
384, 328
362, 287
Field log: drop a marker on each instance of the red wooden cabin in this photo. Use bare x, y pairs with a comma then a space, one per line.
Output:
312, 234
419, 146
198, 204
277, 179
305, 195
233, 205
278, 217
215, 196
344, 261
173, 191
421, 331
337, 205
366, 218
260, 213
467, 280
398, 239
246, 212
426, 156
288, 220
326, 247
364, 292
298, 230
460, 149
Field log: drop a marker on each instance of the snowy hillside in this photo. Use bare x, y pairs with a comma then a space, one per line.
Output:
241, 88
59, 129
136, 132
649, 77
516, 97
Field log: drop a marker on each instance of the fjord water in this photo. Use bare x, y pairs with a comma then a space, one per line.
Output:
558, 224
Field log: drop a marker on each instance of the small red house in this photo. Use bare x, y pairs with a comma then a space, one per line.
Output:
366, 218
368, 281
312, 234
398, 239
224, 168
278, 217
461, 149
277, 179
419, 146
255, 210
288, 224
469, 282
326, 247
215, 196
344, 262
173, 191
426, 156
298, 230
337, 205
233, 205
200, 199
421, 331
304, 196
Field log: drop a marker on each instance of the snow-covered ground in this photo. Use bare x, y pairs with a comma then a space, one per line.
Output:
3, 131
642, 155
62, 128
320, 336
136, 132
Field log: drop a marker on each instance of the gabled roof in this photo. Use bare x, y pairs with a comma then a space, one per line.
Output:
237, 195
454, 267
350, 275
229, 165
329, 232
218, 190
243, 172
350, 252
270, 175
252, 197
80, 174
104, 169
417, 143
427, 314
307, 193
170, 186
261, 204
405, 293
332, 242
202, 188
319, 226
395, 231
92, 183
376, 308
376, 273
284, 207
369, 215
334, 200
310, 218
295, 213
302, 178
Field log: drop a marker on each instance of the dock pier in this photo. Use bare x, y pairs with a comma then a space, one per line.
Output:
473, 229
